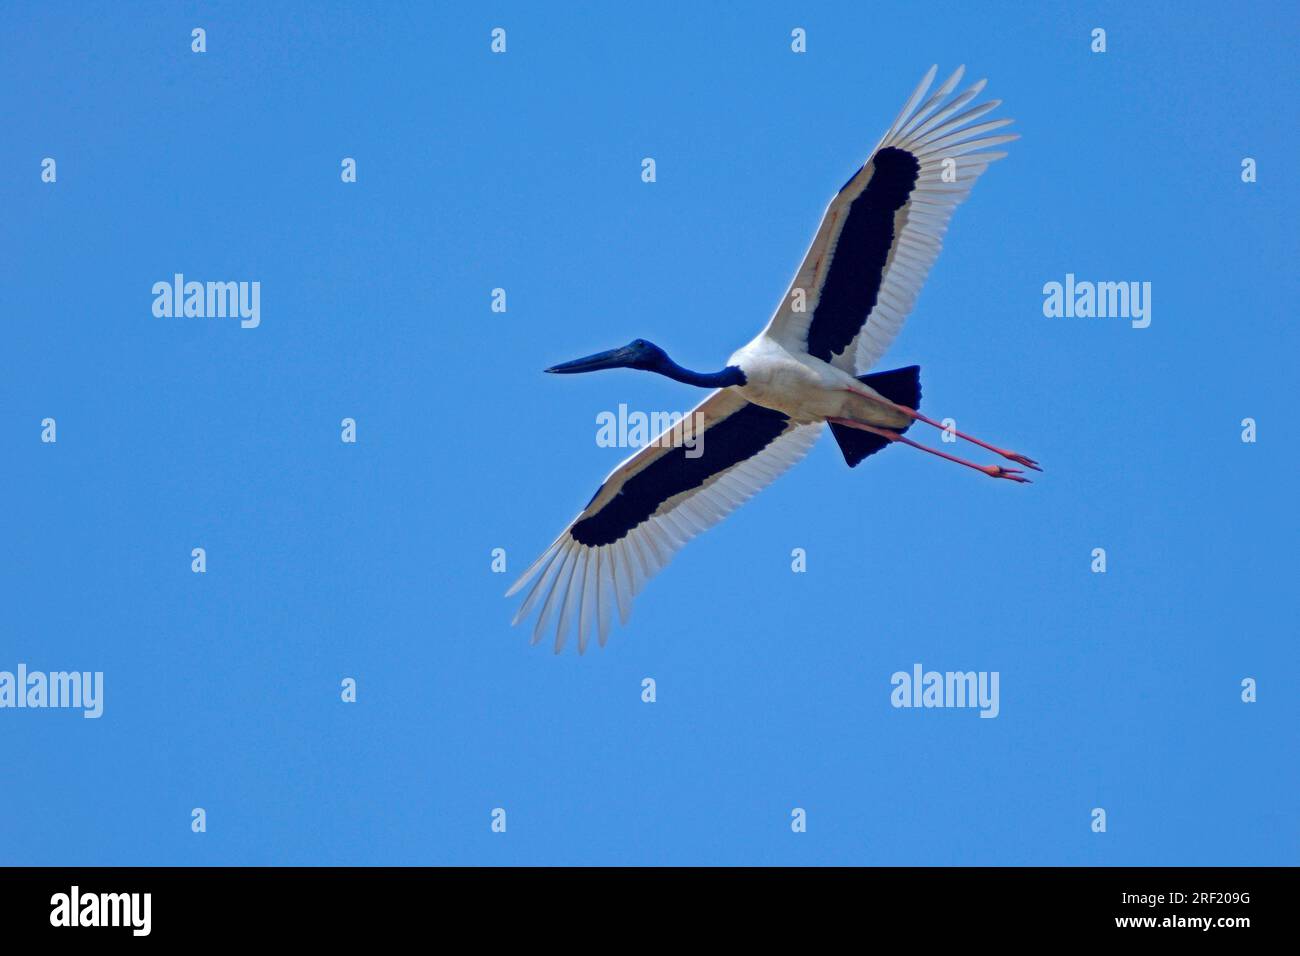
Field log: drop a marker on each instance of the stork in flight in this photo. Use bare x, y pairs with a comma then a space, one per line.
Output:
858, 282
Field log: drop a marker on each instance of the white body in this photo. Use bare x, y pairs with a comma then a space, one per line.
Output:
806, 388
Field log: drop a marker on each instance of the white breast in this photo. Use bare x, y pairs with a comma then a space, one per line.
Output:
804, 387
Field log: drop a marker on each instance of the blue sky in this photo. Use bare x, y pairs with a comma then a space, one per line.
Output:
373, 560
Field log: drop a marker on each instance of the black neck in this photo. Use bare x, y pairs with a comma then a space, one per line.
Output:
731, 375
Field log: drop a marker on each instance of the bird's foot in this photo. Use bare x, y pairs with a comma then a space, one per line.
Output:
1018, 458
997, 471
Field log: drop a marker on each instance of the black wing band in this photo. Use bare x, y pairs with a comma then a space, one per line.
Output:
858, 265
734, 439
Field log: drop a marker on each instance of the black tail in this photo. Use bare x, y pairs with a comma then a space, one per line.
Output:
901, 386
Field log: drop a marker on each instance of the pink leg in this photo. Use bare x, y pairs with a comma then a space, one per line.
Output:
914, 414
993, 471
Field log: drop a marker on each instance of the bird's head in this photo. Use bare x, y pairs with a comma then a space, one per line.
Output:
636, 354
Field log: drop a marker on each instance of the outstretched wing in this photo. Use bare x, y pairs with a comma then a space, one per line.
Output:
651, 505
883, 230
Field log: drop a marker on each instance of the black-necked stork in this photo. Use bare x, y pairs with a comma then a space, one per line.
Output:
856, 285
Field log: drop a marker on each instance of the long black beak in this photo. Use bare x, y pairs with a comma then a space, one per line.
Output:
614, 358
